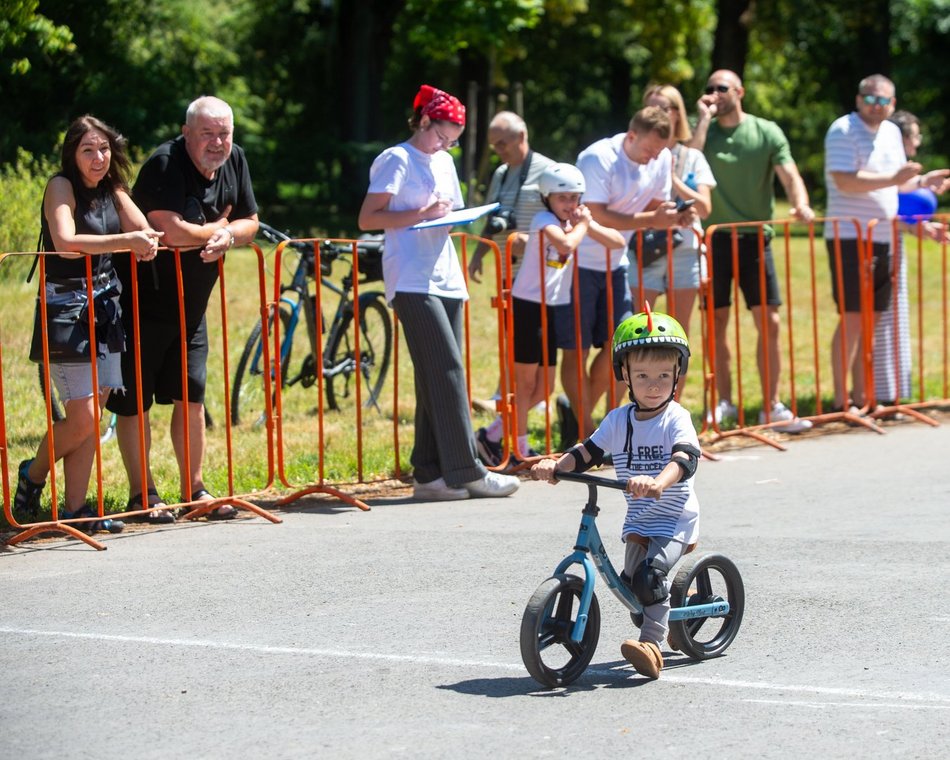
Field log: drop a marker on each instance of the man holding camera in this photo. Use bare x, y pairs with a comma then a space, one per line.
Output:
514, 186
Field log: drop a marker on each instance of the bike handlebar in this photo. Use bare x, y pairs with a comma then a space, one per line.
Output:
583, 477
370, 246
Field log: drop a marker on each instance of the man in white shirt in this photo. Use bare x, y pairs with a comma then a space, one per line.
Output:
628, 178
865, 167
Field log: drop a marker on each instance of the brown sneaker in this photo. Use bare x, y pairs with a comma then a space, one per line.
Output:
644, 656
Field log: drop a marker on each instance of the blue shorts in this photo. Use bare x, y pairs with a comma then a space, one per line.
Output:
592, 287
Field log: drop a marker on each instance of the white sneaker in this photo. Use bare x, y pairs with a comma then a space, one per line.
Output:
437, 490
725, 411
493, 484
781, 413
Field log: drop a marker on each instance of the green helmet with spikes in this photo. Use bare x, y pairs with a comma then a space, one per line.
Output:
646, 330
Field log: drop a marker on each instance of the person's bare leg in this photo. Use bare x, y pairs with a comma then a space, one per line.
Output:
77, 464
768, 348
844, 349
723, 355
577, 392
127, 436
190, 474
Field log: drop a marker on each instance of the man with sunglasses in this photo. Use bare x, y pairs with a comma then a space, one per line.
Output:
745, 153
865, 168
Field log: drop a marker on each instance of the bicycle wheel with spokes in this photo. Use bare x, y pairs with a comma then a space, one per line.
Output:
704, 579
376, 345
247, 393
547, 650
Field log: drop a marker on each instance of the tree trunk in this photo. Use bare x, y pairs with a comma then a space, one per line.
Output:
731, 45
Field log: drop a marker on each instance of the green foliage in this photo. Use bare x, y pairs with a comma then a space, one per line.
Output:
23, 182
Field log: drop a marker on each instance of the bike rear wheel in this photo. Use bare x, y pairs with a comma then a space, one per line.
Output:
376, 345
701, 580
547, 650
248, 400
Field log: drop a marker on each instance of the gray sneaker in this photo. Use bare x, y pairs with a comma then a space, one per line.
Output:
493, 484
437, 490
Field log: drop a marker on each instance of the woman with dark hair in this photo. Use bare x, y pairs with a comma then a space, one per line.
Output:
86, 211
409, 183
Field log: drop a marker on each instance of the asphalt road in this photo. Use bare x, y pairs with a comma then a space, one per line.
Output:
394, 633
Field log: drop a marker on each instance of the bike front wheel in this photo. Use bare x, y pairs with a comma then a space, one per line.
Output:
376, 345
705, 579
248, 399
547, 650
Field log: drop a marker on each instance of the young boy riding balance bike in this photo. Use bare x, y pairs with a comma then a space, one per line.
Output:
655, 448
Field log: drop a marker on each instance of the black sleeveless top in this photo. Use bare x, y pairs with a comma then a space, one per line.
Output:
96, 214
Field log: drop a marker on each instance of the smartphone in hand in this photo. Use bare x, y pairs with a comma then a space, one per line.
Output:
682, 205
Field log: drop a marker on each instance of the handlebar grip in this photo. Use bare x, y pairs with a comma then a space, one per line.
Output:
583, 477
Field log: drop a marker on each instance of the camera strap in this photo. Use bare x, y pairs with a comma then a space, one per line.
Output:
522, 177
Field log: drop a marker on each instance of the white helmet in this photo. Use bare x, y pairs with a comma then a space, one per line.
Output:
561, 178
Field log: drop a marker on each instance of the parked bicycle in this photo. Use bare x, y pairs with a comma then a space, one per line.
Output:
340, 362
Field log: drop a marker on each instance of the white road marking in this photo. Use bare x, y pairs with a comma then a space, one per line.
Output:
862, 705
941, 700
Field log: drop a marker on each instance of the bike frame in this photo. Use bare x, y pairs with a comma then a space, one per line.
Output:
590, 553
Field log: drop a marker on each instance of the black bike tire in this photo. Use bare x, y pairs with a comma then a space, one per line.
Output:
695, 572
337, 350
547, 621
250, 350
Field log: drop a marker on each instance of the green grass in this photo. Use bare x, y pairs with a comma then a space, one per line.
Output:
25, 413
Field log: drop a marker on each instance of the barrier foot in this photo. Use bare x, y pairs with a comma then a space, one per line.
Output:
888, 411
57, 527
204, 507
850, 418
346, 498
710, 456
721, 435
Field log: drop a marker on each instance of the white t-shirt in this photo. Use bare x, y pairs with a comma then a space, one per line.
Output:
849, 147
558, 271
676, 513
418, 261
624, 186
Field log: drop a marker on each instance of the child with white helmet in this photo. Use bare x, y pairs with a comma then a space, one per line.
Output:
553, 237
655, 449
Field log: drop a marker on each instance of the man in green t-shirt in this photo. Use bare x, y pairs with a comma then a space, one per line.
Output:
745, 154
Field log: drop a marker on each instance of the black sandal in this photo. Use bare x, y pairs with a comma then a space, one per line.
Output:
154, 516
106, 525
223, 512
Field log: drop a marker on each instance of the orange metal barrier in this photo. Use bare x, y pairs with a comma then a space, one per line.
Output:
806, 359
56, 525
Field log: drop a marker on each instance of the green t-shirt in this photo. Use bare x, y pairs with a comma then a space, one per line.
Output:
743, 161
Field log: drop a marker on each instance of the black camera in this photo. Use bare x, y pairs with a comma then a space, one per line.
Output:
503, 219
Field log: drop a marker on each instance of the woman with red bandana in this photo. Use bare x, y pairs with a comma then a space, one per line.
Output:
409, 183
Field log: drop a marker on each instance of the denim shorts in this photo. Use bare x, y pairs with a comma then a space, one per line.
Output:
74, 381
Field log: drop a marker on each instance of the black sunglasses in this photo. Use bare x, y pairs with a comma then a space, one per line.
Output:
711, 88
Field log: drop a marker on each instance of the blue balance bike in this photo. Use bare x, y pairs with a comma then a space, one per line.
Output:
561, 622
